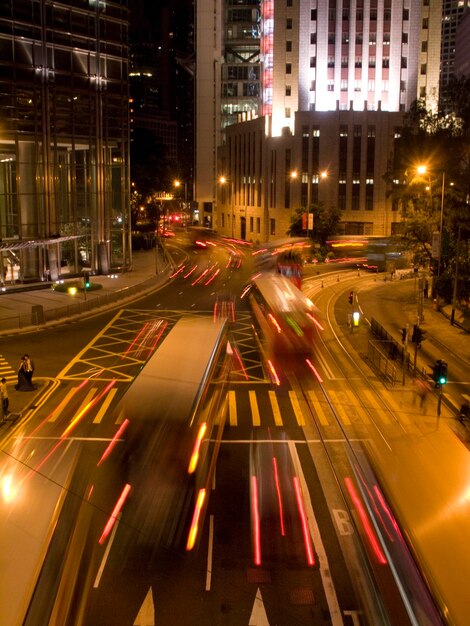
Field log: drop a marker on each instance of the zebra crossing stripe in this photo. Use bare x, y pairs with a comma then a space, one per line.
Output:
104, 407
340, 409
254, 408
375, 405
359, 409
299, 416
320, 413
232, 408
403, 417
58, 410
275, 408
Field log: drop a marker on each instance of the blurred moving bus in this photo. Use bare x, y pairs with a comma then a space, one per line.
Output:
286, 317
176, 408
418, 494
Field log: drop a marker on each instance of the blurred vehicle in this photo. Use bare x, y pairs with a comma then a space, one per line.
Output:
176, 410
201, 237
286, 318
418, 494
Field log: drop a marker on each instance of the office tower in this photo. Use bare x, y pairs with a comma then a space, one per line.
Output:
64, 134
227, 83
452, 13
337, 76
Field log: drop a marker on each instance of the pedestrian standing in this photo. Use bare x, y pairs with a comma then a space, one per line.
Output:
28, 368
4, 396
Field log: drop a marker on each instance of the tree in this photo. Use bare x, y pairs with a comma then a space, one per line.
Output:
325, 222
442, 191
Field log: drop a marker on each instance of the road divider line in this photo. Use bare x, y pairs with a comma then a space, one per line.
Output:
275, 408
209, 553
325, 573
254, 408
299, 416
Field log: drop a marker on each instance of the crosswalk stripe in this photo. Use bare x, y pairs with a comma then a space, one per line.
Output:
397, 408
375, 405
320, 413
104, 407
232, 407
58, 410
358, 409
88, 398
275, 408
297, 410
340, 409
254, 408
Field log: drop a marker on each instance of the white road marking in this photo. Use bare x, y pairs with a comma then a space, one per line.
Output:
209, 553
146, 615
106, 554
258, 614
328, 586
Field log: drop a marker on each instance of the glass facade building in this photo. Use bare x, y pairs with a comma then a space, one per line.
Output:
64, 138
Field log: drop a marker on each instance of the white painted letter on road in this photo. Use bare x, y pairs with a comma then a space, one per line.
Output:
342, 522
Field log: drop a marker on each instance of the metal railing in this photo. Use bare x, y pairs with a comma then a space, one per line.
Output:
37, 318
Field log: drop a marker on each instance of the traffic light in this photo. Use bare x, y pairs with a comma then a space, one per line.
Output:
351, 297
404, 332
439, 372
86, 280
418, 335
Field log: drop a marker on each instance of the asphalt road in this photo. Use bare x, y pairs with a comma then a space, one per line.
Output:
285, 443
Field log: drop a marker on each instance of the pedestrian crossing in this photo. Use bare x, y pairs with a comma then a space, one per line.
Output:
6, 371
254, 408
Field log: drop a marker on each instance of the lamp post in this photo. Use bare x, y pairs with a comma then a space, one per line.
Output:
223, 181
177, 183
422, 169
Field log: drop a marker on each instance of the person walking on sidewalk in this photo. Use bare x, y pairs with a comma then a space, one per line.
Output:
4, 397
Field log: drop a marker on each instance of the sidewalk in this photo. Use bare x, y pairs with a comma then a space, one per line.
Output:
38, 307
393, 304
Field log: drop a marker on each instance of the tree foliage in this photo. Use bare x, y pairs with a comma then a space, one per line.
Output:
325, 223
441, 142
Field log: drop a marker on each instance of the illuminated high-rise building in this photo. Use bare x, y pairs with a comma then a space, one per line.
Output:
337, 76
64, 137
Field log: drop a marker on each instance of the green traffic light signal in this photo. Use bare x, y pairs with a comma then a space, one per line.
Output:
86, 280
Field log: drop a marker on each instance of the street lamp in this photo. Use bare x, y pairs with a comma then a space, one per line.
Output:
223, 181
177, 183
422, 169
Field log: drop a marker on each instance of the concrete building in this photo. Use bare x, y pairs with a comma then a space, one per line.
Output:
64, 137
462, 47
227, 83
452, 13
336, 77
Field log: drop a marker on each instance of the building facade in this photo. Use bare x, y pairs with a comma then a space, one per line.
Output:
336, 78
333, 158
64, 138
228, 83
